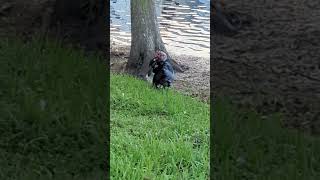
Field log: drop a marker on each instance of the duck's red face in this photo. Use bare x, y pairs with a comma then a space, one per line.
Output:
160, 56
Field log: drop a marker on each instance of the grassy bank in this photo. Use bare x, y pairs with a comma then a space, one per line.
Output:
247, 146
156, 134
164, 135
53, 112
53, 126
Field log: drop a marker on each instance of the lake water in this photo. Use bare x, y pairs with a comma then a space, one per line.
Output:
184, 25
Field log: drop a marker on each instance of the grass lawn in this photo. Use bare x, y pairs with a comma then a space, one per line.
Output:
53, 112
164, 135
248, 147
53, 126
156, 134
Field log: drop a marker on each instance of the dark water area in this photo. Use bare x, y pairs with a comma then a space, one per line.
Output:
184, 25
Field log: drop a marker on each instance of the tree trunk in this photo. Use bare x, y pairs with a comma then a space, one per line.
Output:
83, 21
145, 37
80, 22
220, 21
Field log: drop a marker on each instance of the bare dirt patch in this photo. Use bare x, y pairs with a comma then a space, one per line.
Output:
273, 64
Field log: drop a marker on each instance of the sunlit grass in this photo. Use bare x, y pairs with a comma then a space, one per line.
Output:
156, 134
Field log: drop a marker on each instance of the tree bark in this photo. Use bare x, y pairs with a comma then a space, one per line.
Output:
81, 22
145, 38
220, 20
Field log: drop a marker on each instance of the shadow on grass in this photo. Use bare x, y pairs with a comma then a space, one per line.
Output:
247, 146
53, 112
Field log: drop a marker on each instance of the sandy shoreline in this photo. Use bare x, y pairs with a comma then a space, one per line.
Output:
195, 81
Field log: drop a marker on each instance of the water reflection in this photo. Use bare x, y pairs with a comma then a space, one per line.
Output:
184, 24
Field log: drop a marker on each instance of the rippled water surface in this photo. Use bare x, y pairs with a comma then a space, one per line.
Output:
184, 25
